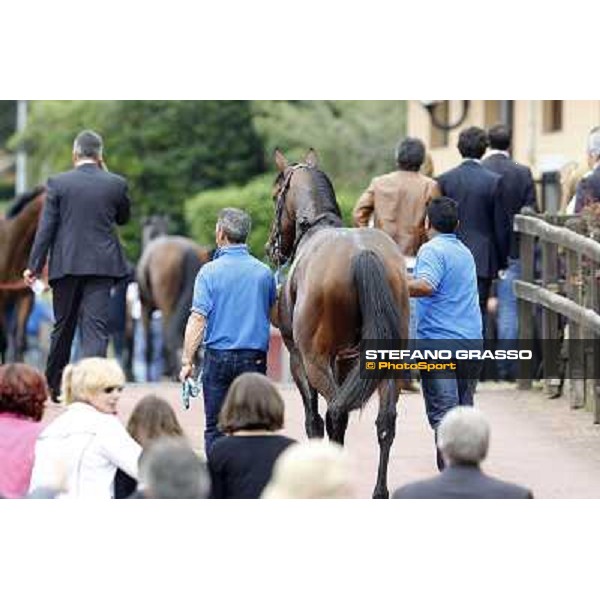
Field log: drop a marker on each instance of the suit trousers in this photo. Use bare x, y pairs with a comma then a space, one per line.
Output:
484, 285
76, 300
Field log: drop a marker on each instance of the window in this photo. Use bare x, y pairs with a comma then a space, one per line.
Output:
552, 115
438, 138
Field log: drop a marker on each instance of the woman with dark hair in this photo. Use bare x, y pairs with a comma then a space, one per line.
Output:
241, 463
23, 393
152, 418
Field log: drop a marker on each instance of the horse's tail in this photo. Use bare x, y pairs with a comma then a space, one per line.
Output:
380, 321
142, 278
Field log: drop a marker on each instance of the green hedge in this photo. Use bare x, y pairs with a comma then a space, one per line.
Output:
256, 198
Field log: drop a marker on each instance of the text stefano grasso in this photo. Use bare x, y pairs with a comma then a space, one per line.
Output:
460, 354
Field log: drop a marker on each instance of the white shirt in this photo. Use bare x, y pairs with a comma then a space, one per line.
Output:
493, 151
86, 446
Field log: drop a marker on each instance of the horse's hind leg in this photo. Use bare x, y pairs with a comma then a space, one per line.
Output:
336, 426
386, 431
24, 307
337, 422
313, 422
148, 349
320, 375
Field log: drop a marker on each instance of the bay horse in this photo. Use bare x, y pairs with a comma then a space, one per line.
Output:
17, 232
165, 274
343, 286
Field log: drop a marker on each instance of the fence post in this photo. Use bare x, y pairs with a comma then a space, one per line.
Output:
526, 253
575, 342
595, 358
550, 328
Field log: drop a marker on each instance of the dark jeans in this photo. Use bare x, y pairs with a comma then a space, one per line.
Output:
508, 316
219, 369
443, 394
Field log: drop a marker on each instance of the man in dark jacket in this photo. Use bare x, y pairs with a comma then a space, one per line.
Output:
484, 225
463, 439
77, 228
518, 190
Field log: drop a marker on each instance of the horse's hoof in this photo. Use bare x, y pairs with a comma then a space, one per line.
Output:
381, 495
316, 431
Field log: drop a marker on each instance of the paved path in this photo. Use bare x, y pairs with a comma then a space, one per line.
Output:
535, 441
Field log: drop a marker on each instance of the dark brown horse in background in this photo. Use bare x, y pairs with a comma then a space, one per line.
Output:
165, 274
17, 232
343, 286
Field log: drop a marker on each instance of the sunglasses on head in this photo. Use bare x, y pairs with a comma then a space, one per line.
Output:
112, 388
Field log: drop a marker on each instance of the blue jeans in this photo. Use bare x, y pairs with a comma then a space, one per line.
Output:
508, 321
220, 368
443, 393
140, 371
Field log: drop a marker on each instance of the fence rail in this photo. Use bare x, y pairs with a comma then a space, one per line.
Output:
568, 265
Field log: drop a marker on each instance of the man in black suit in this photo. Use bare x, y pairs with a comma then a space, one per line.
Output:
518, 190
484, 225
463, 439
77, 228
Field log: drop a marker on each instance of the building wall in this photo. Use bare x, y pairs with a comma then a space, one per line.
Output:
541, 151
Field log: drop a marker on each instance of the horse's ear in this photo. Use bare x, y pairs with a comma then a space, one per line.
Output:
311, 159
280, 160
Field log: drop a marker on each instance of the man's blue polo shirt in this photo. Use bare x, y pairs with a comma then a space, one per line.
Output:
452, 311
235, 292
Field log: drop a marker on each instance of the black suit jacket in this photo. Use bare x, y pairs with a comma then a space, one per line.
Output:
78, 223
484, 225
518, 190
462, 482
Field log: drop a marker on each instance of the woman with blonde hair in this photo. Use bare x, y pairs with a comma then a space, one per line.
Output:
151, 419
87, 443
310, 470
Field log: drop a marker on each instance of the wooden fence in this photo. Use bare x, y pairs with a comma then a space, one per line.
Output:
569, 286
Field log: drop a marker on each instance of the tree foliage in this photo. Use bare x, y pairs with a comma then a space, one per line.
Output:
8, 120
355, 139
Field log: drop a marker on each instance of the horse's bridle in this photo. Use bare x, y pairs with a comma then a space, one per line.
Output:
280, 206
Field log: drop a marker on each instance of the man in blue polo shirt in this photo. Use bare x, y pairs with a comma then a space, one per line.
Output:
445, 284
233, 298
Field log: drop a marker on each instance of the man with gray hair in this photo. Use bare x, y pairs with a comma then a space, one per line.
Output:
463, 438
582, 198
77, 229
234, 296
170, 470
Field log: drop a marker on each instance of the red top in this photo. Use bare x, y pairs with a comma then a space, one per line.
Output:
17, 446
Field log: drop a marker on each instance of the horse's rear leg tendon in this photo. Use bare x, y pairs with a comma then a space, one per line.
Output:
313, 422
386, 432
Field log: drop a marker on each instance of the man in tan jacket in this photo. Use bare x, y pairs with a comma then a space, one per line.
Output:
397, 200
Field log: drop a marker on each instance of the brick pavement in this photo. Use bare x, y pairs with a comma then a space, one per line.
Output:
535, 441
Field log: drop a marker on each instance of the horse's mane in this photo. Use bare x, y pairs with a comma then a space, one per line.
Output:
22, 200
325, 192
